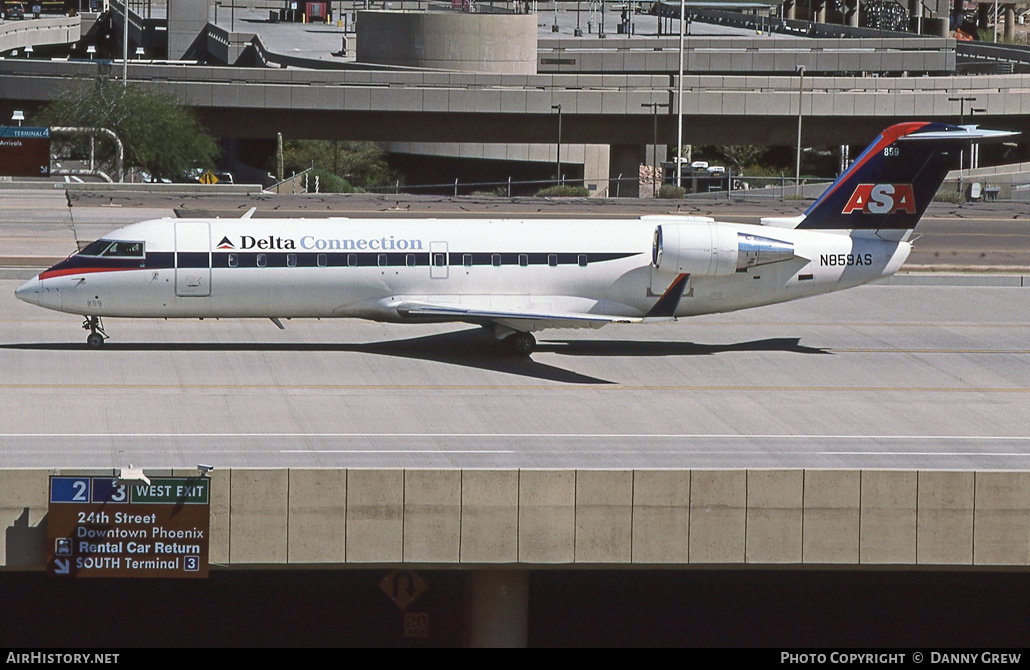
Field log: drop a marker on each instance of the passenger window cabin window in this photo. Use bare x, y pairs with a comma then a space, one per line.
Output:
552, 260
466, 260
262, 260
322, 260
234, 260
352, 260
523, 260
382, 260
409, 260
495, 260
582, 260
439, 260
291, 260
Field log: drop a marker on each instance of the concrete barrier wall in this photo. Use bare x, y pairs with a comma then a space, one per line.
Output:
39, 32
309, 517
701, 55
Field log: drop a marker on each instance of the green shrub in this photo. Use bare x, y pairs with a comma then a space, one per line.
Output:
671, 192
564, 192
947, 193
329, 182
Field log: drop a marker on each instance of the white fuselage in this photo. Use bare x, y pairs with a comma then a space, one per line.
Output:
284, 268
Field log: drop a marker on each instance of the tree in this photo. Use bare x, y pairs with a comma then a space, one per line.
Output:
159, 135
363, 164
736, 155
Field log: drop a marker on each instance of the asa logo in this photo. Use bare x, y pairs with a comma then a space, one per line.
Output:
882, 199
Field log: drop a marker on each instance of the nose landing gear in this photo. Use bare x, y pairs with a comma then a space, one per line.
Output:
95, 326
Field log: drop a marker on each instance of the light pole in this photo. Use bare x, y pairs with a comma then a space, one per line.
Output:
654, 147
125, 43
974, 148
679, 101
557, 152
961, 121
797, 165
18, 116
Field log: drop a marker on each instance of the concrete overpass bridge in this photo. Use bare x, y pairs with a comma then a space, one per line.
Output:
618, 113
624, 112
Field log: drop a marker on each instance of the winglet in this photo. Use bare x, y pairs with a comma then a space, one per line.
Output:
670, 300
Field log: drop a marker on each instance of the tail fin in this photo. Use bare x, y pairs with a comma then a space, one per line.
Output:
891, 184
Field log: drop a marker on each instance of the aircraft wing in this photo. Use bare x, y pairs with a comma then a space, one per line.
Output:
519, 319
525, 313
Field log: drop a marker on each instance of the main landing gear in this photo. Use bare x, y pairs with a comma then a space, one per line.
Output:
520, 343
95, 326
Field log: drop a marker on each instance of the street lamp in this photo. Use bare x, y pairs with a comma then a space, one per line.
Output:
974, 147
125, 43
557, 162
961, 121
654, 147
28, 51
797, 165
18, 116
679, 101
91, 50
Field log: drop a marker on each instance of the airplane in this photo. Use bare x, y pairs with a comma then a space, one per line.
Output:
513, 277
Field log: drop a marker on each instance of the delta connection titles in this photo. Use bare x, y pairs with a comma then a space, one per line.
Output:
387, 243
933, 657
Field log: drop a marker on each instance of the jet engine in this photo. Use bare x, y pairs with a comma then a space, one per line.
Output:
712, 249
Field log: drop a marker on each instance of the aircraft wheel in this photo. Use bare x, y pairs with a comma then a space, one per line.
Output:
521, 343
95, 340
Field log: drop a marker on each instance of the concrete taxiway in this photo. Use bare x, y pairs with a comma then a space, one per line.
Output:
924, 377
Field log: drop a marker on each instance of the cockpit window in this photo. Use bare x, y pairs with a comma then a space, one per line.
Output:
114, 249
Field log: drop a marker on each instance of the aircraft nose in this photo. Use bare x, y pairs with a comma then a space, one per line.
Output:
29, 291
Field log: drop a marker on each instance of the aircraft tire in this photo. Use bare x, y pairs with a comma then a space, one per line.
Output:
95, 340
521, 343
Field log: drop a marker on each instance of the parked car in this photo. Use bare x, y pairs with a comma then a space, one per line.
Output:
14, 12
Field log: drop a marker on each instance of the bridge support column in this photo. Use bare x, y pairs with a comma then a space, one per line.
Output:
595, 169
187, 20
498, 608
915, 13
851, 13
624, 162
1010, 22
788, 9
983, 16
818, 11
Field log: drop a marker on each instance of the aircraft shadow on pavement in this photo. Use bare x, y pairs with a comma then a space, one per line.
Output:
472, 348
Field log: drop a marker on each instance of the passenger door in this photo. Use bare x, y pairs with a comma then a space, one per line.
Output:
192, 258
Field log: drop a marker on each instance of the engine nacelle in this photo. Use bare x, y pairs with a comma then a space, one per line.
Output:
699, 249
710, 249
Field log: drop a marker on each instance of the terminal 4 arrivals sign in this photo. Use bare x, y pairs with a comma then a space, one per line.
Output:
106, 527
24, 152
